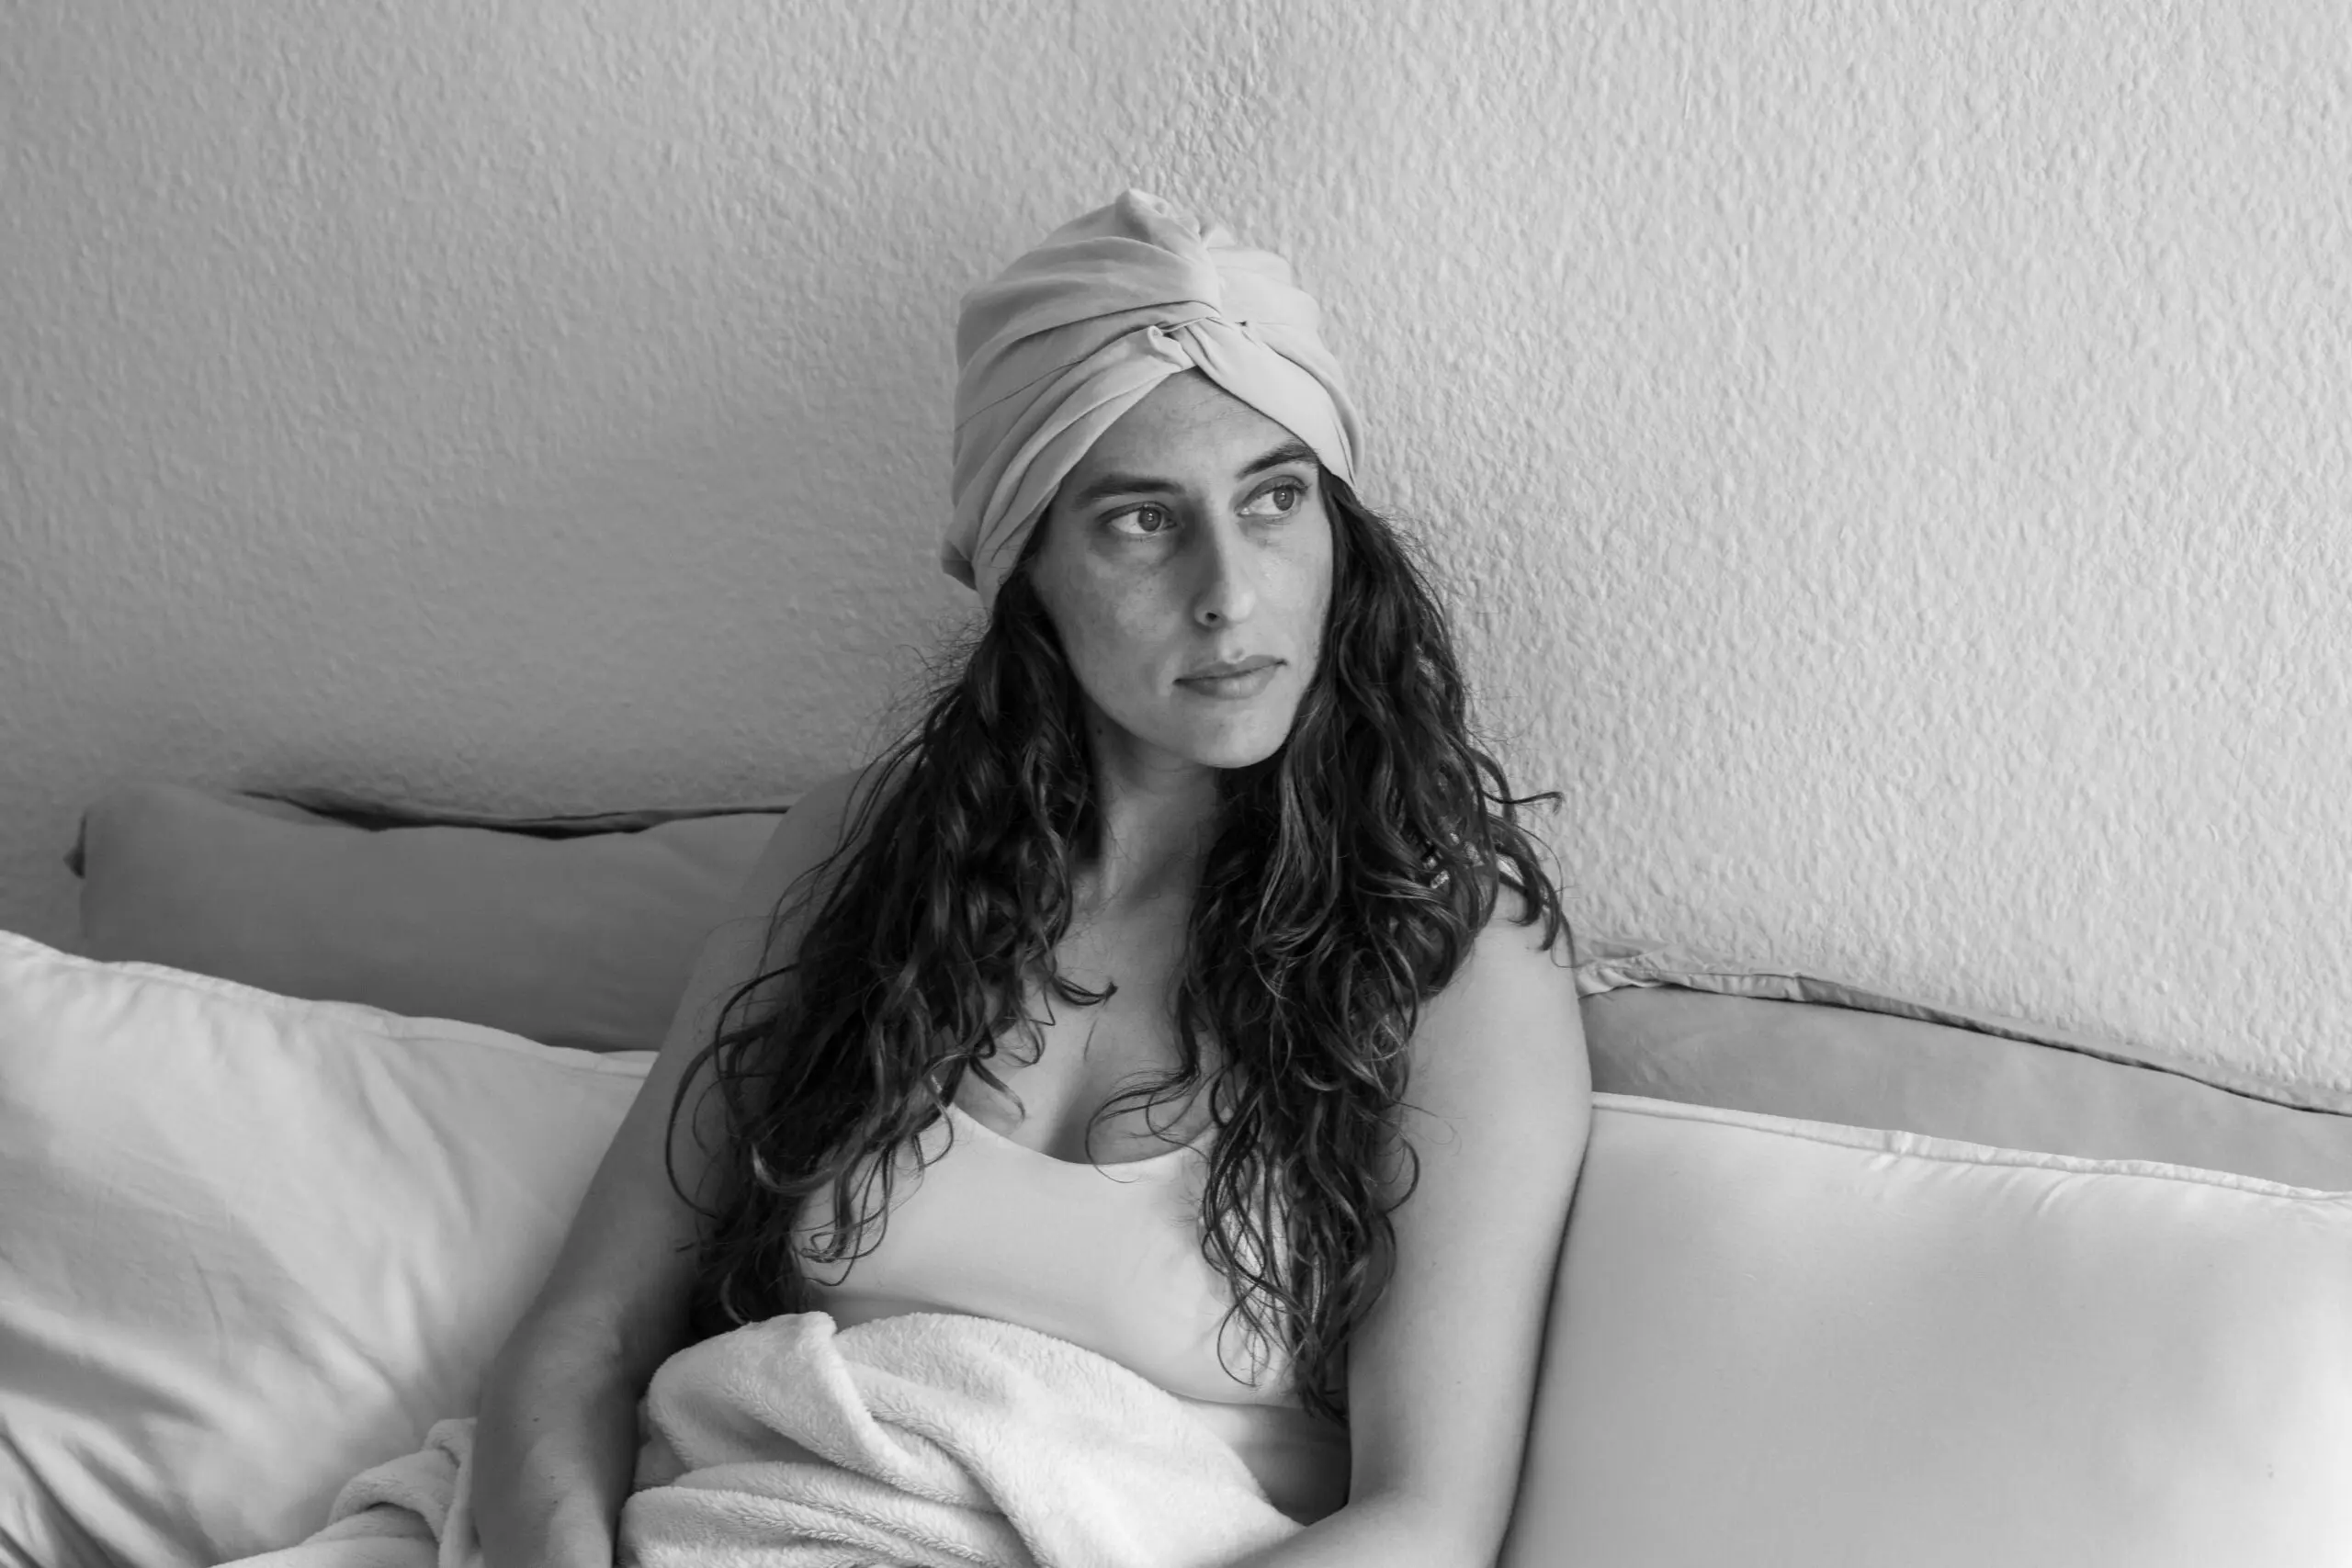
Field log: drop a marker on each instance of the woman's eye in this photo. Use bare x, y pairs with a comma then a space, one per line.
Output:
1140, 513
1291, 487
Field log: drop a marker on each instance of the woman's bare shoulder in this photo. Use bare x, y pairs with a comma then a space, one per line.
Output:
814, 831
625, 1268
838, 797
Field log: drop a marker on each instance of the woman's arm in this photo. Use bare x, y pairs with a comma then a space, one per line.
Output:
555, 1447
1441, 1372
555, 1440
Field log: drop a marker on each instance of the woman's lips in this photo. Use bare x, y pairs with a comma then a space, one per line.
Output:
1234, 686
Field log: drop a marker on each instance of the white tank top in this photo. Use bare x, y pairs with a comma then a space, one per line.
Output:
1106, 1257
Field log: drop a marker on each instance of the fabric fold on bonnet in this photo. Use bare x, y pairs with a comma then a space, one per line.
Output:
1079, 330
928, 1441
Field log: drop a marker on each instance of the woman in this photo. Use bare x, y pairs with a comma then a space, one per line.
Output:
1113, 903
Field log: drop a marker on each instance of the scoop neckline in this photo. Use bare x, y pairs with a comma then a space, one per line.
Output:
956, 1110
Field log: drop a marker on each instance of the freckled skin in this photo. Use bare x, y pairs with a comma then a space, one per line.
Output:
1209, 565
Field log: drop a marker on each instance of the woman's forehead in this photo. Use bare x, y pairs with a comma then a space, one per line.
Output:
1188, 426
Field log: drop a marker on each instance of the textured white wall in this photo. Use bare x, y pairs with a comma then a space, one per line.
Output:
1896, 455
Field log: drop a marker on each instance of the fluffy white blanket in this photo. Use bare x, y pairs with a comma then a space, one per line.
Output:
930, 1438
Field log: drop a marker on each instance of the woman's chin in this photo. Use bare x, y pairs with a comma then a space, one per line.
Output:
1237, 746
1219, 735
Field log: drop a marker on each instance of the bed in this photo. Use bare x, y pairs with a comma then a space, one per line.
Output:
1849, 1278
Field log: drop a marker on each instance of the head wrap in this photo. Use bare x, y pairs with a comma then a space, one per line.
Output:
1077, 331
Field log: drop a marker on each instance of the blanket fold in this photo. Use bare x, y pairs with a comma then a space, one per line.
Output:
926, 1440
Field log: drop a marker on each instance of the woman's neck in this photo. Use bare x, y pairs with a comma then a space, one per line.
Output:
1152, 838
1130, 888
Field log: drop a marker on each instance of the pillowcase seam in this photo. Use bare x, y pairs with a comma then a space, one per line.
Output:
1982, 1154
372, 1019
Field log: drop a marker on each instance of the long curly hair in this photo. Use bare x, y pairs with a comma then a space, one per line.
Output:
1346, 875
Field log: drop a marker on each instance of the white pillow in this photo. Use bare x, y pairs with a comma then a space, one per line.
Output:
1775, 1341
251, 1246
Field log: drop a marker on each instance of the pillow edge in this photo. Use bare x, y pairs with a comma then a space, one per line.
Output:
1899, 1143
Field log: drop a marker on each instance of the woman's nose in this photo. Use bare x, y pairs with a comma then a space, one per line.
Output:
1227, 581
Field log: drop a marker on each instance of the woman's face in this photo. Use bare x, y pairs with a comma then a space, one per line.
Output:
1192, 533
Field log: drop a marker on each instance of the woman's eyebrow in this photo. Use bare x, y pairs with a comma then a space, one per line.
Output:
1104, 485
